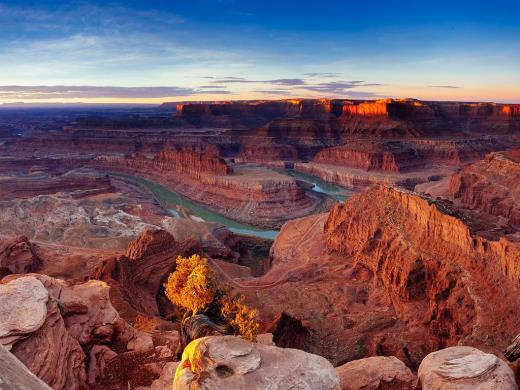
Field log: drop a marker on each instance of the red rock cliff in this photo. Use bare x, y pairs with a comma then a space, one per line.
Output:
490, 185
436, 271
403, 155
138, 275
193, 159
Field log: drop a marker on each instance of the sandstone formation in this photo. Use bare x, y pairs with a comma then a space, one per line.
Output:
229, 362
378, 372
387, 116
15, 376
461, 368
390, 273
421, 236
490, 185
249, 194
43, 313
405, 155
137, 277
17, 256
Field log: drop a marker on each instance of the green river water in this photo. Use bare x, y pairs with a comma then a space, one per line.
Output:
180, 207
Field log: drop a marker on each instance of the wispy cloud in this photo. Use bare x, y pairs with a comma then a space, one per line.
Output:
278, 92
238, 80
338, 87
212, 86
84, 91
444, 86
322, 74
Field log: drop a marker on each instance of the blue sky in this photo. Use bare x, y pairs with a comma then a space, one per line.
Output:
155, 51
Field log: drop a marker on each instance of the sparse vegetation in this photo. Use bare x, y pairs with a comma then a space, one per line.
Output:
144, 323
193, 285
240, 316
195, 288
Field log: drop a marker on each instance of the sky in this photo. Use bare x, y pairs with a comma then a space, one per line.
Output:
155, 51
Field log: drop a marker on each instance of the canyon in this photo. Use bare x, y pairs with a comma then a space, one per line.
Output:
411, 257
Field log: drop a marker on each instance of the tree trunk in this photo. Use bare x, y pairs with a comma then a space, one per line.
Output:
513, 351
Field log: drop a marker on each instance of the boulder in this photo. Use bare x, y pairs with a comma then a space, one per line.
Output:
375, 373
465, 368
222, 362
23, 309
52, 354
90, 316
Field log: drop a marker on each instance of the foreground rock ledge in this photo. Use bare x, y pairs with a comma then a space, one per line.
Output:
228, 362
465, 368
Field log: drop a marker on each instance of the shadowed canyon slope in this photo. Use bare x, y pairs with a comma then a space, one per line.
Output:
392, 273
489, 186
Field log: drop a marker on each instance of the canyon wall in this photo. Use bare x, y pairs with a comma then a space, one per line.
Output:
490, 185
436, 271
137, 276
391, 273
406, 155
253, 195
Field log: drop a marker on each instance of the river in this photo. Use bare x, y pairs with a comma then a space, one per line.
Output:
179, 206
319, 185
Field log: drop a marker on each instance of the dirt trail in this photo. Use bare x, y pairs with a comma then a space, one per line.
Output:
251, 285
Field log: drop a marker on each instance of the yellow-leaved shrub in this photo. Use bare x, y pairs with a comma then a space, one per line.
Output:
193, 285
240, 316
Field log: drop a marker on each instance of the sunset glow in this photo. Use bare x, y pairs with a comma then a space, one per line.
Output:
150, 52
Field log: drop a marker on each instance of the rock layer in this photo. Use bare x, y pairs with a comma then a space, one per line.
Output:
139, 275
490, 185
15, 375
405, 155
